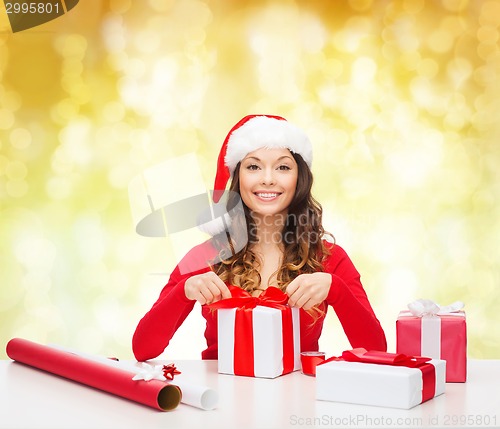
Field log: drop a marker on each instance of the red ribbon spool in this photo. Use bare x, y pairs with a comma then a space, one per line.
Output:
309, 360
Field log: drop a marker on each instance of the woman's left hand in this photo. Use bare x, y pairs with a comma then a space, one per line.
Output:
308, 290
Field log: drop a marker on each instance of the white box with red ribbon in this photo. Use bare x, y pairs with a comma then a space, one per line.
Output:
380, 379
257, 336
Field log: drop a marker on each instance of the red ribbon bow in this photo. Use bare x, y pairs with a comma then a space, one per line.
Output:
169, 371
241, 299
383, 358
394, 359
243, 344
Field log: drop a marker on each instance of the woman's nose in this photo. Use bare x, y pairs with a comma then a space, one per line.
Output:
268, 177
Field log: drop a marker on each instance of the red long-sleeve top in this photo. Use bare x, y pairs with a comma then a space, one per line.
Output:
346, 296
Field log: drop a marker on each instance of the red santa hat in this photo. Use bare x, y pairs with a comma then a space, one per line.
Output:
254, 132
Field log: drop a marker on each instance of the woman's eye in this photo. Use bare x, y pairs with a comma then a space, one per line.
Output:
252, 167
284, 167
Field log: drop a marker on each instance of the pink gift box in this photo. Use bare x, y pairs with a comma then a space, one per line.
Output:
436, 336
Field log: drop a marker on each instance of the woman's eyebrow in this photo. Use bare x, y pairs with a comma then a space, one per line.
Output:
279, 159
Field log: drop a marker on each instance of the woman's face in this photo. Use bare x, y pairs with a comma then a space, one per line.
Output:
268, 178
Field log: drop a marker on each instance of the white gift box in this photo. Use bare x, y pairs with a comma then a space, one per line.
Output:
267, 340
375, 384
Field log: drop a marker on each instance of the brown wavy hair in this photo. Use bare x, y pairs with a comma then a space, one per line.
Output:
301, 238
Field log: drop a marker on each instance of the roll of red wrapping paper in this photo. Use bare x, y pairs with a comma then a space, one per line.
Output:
154, 393
309, 360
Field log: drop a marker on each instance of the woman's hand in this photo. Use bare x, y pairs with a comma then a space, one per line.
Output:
308, 290
206, 288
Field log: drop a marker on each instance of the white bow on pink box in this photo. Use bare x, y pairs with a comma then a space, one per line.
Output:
427, 307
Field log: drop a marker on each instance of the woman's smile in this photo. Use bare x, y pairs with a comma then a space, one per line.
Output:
267, 196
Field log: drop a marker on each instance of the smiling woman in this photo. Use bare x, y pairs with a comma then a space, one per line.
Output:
269, 161
400, 100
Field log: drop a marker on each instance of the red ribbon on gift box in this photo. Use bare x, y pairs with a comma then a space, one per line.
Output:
243, 343
394, 359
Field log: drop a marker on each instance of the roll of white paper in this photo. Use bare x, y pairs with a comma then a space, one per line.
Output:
192, 394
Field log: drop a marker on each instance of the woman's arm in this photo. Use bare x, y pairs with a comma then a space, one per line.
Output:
158, 326
350, 302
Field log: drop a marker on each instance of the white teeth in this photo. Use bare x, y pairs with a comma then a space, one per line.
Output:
267, 195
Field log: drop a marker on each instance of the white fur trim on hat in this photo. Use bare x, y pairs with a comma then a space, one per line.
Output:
263, 131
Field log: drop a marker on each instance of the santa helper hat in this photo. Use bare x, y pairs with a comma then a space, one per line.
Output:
254, 132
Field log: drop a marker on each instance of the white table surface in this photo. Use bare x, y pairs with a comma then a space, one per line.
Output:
30, 398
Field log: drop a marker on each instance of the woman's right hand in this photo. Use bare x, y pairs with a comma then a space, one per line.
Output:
206, 288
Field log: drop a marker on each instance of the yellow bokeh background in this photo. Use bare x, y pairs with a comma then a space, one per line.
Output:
400, 99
